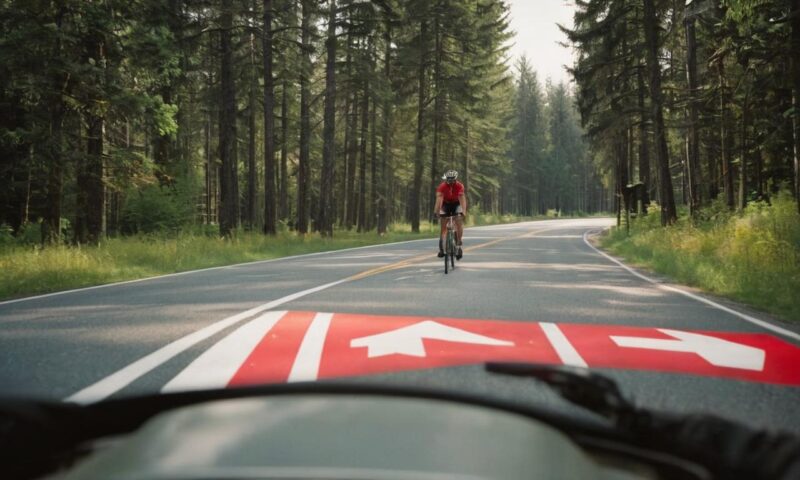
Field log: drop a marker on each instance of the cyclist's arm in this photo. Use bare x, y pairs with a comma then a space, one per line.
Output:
438, 203
462, 199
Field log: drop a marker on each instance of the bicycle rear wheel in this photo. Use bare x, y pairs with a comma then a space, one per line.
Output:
446, 252
450, 252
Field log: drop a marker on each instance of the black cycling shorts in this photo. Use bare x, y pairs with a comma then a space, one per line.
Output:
450, 209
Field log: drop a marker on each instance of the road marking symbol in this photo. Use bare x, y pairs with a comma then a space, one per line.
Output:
408, 340
306, 364
215, 367
566, 352
716, 351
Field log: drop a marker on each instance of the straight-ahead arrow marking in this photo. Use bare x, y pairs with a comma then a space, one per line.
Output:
408, 340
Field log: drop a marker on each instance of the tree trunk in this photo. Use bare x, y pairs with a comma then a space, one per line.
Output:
668, 213
51, 227
270, 202
419, 143
795, 61
467, 159
437, 111
229, 198
252, 173
284, 168
727, 164
386, 134
327, 212
305, 121
350, 164
91, 201
693, 150
644, 149
362, 171
743, 156
373, 156
93, 184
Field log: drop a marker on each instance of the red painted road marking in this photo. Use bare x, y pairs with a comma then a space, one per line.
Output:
308, 345
515, 341
780, 362
272, 359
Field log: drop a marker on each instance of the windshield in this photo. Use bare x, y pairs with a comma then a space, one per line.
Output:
211, 195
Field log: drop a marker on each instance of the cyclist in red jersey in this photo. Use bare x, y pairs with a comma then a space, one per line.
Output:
451, 200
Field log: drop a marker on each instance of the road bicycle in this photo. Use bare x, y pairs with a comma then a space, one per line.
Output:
450, 244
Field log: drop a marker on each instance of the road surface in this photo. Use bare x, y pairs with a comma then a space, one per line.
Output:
535, 291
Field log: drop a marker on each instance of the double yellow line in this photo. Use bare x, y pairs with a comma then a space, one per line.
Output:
410, 261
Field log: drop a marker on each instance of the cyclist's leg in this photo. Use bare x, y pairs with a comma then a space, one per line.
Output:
459, 234
442, 234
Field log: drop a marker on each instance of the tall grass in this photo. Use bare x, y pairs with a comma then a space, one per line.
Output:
30, 269
753, 257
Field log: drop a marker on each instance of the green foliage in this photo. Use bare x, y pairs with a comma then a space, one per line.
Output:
753, 257
155, 208
164, 118
30, 270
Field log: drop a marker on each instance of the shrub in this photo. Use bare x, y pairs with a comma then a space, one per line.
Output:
157, 209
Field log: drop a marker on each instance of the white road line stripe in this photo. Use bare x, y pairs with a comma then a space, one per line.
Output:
217, 365
745, 317
124, 377
235, 265
566, 352
306, 364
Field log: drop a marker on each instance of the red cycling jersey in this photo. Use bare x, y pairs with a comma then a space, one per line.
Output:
451, 192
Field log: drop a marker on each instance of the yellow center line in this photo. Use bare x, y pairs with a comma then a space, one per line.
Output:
410, 261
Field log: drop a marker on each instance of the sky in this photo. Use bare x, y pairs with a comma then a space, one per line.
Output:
537, 36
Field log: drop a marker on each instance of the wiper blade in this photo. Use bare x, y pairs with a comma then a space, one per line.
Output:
580, 386
729, 449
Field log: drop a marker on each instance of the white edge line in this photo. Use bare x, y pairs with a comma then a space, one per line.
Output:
292, 257
566, 352
306, 363
127, 282
761, 323
124, 377
215, 367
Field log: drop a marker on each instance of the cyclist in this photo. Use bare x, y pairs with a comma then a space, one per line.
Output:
450, 201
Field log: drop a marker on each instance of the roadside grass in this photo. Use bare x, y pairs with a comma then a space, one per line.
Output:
753, 257
29, 269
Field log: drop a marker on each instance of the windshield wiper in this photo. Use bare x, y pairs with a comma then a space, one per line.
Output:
728, 449
580, 386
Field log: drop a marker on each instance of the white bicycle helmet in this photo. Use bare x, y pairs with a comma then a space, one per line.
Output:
450, 175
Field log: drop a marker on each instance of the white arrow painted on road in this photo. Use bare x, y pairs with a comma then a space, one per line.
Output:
716, 351
408, 340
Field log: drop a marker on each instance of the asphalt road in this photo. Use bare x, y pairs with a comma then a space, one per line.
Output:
541, 279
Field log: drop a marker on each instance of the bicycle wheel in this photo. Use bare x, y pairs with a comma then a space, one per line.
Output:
446, 251
451, 251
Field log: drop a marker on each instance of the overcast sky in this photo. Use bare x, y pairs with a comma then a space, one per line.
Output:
537, 36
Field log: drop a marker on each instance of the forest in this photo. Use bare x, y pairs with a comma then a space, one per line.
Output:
690, 102
119, 118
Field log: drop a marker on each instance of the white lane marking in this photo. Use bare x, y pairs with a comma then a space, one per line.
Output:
256, 262
306, 364
235, 265
124, 377
215, 367
566, 352
745, 317
558, 236
716, 351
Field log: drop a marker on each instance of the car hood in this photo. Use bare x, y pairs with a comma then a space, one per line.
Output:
340, 436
